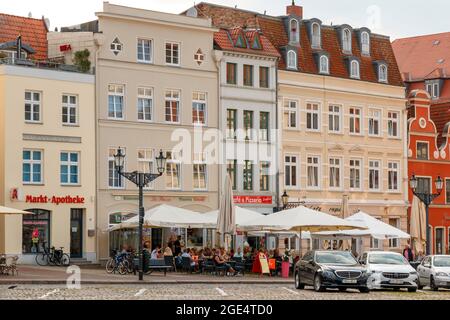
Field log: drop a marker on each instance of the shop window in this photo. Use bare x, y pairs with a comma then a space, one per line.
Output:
35, 231
194, 238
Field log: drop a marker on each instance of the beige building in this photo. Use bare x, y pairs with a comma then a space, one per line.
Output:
47, 163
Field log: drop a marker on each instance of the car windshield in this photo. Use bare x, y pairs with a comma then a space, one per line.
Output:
442, 261
387, 258
336, 258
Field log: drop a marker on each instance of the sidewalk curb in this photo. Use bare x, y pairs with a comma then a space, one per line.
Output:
168, 282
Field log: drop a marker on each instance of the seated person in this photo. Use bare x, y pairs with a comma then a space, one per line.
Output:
219, 260
238, 254
187, 254
168, 252
156, 254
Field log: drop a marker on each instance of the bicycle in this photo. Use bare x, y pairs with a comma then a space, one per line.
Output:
117, 262
52, 257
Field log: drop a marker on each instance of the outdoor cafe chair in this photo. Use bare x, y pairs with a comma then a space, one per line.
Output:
170, 262
9, 265
208, 266
186, 264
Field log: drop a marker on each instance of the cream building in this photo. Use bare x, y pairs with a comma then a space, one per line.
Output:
47, 163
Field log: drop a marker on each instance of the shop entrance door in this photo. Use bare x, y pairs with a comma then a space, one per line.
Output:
76, 233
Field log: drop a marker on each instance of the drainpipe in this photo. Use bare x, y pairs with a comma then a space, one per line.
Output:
279, 142
97, 104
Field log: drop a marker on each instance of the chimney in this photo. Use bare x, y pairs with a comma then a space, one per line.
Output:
294, 10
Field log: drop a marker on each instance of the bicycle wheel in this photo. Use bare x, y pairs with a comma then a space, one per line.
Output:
42, 259
110, 265
123, 268
65, 260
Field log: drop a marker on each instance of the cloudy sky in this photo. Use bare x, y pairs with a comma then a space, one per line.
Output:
396, 18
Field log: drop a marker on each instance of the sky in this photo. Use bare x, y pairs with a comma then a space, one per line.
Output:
395, 18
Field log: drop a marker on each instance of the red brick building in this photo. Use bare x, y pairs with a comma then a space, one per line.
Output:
424, 63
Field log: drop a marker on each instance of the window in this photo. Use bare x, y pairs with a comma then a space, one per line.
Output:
145, 159
376, 243
394, 243
374, 122
173, 53
264, 126
114, 179
315, 35
292, 60
335, 173
422, 150
374, 175
115, 101
433, 89
248, 175
199, 108
290, 114
347, 40
199, 170
365, 43
447, 192
232, 172
144, 50
173, 171
355, 174
32, 167
290, 168
35, 224
334, 118
231, 73
264, 176
231, 123
313, 164
32, 106
355, 120
382, 73
324, 65
294, 34
393, 121
354, 69
116, 46
263, 77
173, 106
248, 75
69, 109
439, 240
69, 168
248, 124
423, 185
312, 116
145, 104
393, 176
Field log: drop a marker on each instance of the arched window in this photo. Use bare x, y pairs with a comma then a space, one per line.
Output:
292, 60
315, 35
365, 43
294, 34
354, 69
347, 40
324, 65
382, 73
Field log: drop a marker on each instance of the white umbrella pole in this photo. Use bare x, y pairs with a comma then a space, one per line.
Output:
301, 253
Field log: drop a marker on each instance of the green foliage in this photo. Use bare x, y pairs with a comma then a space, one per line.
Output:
81, 60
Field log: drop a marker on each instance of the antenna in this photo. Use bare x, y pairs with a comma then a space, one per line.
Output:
30, 15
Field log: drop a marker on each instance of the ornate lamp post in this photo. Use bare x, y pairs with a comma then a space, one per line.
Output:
285, 200
141, 180
427, 199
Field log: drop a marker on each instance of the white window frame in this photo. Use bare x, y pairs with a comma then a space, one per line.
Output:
292, 60
116, 93
289, 110
355, 69
69, 163
352, 119
324, 65
33, 103
32, 162
394, 243
346, 40
253, 176
360, 169
171, 99
319, 171
314, 113
140, 41
146, 163
144, 93
428, 149
69, 106
332, 114
172, 56
199, 98
315, 38
291, 165
371, 116
365, 43
393, 121
294, 37
116, 177
339, 168
383, 73
265, 172
176, 161
199, 160
380, 170
393, 166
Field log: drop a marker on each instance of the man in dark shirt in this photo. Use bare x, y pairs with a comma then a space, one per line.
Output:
177, 246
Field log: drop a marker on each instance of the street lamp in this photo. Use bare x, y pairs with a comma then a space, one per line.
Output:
427, 199
141, 180
285, 200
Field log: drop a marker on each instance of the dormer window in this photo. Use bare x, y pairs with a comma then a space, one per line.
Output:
433, 88
240, 42
365, 43
382, 73
315, 35
256, 43
347, 40
324, 65
354, 69
294, 33
292, 60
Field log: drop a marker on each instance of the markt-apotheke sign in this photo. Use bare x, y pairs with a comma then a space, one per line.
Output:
54, 199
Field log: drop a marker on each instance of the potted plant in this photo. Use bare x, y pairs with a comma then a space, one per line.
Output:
286, 264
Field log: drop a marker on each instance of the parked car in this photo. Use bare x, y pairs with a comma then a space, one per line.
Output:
434, 272
389, 270
330, 269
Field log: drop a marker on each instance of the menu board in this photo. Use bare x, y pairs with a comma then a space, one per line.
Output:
264, 264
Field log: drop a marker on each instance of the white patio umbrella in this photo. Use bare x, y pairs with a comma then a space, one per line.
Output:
242, 215
418, 225
11, 211
345, 213
226, 220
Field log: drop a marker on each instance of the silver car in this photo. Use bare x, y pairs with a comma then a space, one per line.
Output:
434, 272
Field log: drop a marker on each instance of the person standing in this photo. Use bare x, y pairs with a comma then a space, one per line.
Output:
408, 253
177, 246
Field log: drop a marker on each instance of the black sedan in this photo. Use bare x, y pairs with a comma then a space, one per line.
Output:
330, 270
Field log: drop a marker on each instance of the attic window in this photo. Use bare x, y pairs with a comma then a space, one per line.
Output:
354, 69
315, 35
256, 43
240, 42
382, 73
116, 46
365, 43
294, 34
347, 40
292, 60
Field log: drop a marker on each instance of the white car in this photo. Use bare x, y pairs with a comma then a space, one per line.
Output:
389, 270
434, 272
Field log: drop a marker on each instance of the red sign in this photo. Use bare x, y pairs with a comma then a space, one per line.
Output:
54, 199
253, 200
65, 47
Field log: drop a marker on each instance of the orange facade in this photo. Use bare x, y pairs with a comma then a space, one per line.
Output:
428, 159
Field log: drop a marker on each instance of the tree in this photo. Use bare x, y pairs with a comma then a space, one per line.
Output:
81, 60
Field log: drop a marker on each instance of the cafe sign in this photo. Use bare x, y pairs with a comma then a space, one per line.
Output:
54, 199
264, 200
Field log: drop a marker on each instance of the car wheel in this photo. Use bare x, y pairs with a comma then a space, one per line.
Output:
298, 284
419, 285
412, 289
433, 285
318, 284
364, 290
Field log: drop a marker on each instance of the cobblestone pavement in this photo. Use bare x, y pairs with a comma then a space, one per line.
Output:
201, 292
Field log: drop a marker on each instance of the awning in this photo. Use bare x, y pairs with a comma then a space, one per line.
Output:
5, 210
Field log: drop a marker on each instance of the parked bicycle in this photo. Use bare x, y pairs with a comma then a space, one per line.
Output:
53, 256
118, 262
